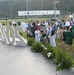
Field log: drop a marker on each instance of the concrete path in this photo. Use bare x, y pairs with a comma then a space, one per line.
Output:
21, 61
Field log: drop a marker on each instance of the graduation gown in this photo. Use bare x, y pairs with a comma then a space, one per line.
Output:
43, 38
69, 37
73, 27
32, 31
52, 41
37, 35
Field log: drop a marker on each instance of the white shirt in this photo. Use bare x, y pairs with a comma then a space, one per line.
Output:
46, 24
13, 22
67, 23
52, 40
37, 36
24, 25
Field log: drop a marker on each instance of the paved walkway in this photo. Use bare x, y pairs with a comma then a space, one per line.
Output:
21, 61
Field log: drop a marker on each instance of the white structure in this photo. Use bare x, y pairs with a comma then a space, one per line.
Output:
15, 39
39, 12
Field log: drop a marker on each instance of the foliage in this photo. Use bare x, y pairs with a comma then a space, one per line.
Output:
30, 41
63, 5
44, 52
49, 49
24, 35
63, 60
36, 47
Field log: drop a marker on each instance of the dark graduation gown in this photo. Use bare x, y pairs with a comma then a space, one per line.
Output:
73, 30
69, 37
43, 37
32, 31
73, 27
19, 23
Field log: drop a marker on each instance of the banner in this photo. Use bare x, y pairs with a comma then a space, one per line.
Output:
39, 12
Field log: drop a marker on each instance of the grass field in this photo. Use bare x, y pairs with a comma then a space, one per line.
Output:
25, 20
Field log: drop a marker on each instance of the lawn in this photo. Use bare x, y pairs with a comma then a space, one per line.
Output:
25, 20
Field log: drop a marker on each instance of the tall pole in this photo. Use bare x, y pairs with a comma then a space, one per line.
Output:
67, 9
10, 10
30, 4
41, 4
28, 9
37, 6
55, 2
54, 9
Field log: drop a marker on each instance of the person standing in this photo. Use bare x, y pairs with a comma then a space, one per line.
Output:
60, 35
52, 39
69, 39
67, 24
37, 35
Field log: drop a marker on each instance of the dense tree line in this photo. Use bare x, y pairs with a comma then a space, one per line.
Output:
11, 7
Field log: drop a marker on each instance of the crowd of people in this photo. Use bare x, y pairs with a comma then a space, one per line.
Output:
48, 31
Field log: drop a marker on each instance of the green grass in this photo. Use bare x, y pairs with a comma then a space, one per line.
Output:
24, 20
24, 35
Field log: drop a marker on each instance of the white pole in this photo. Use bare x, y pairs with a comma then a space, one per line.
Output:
55, 2
41, 4
30, 5
28, 9
10, 10
54, 9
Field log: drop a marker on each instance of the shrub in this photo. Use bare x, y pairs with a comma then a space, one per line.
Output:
63, 60
30, 41
47, 51
36, 47
44, 52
